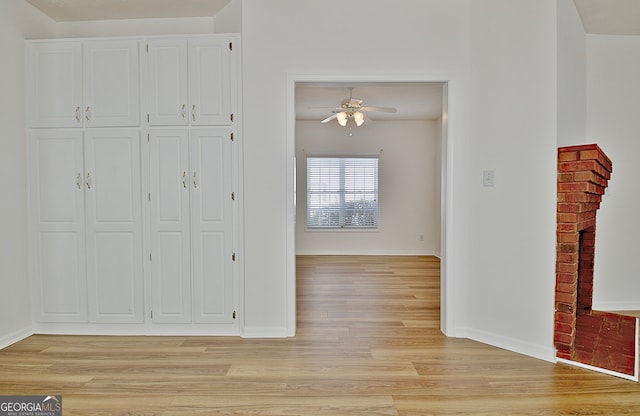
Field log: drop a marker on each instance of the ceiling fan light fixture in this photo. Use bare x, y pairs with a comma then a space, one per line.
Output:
358, 117
342, 118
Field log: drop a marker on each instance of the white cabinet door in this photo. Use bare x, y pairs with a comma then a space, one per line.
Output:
191, 225
111, 83
91, 84
113, 225
170, 246
168, 82
54, 84
57, 212
209, 88
189, 82
211, 225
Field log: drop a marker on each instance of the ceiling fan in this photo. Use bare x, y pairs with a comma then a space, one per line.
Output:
352, 108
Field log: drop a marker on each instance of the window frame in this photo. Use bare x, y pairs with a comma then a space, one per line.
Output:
343, 211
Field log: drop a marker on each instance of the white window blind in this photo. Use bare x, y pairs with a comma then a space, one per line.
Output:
342, 192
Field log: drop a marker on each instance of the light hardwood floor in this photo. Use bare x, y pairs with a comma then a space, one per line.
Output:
368, 343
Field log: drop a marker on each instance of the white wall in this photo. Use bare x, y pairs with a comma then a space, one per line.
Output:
409, 199
18, 20
613, 122
572, 76
509, 280
500, 56
136, 27
500, 59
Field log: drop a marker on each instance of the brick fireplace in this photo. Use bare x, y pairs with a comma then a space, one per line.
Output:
595, 339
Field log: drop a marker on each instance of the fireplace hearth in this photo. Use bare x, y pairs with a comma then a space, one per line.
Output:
600, 340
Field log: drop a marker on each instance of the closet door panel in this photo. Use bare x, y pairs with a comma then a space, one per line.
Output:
170, 246
211, 225
111, 83
57, 212
113, 225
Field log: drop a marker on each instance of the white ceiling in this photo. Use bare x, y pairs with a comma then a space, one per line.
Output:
610, 17
315, 101
412, 100
75, 10
613, 17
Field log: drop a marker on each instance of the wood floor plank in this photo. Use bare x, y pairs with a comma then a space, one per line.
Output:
368, 343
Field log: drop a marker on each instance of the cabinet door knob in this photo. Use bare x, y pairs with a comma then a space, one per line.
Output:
184, 179
78, 114
183, 111
193, 112
79, 181
87, 113
195, 180
89, 181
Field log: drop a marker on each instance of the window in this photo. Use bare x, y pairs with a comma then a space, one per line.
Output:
342, 192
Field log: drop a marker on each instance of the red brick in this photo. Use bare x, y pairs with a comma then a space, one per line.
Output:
562, 338
567, 287
568, 237
567, 227
566, 177
566, 298
567, 257
566, 307
566, 267
565, 217
567, 277
564, 317
567, 155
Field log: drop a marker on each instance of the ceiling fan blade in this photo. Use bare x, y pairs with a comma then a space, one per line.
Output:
328, 119
379, 109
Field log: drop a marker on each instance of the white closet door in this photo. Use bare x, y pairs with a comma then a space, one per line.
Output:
111, 83
113, 224
170, 246
168, 82
57, 210
209, 89
211, 225
54, 84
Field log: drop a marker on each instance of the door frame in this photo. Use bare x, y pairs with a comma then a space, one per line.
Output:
447, 279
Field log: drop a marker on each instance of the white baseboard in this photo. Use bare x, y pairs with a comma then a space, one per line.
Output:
15, 336
616, 306
265, 332
546, 353
367, 253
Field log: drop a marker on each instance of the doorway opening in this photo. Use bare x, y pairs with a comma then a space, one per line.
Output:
422, 111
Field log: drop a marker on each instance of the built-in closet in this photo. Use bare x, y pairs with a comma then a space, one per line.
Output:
134, 182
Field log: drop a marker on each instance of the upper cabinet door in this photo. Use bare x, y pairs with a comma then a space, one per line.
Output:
209, 89
111, 83
168, 82
54, 84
